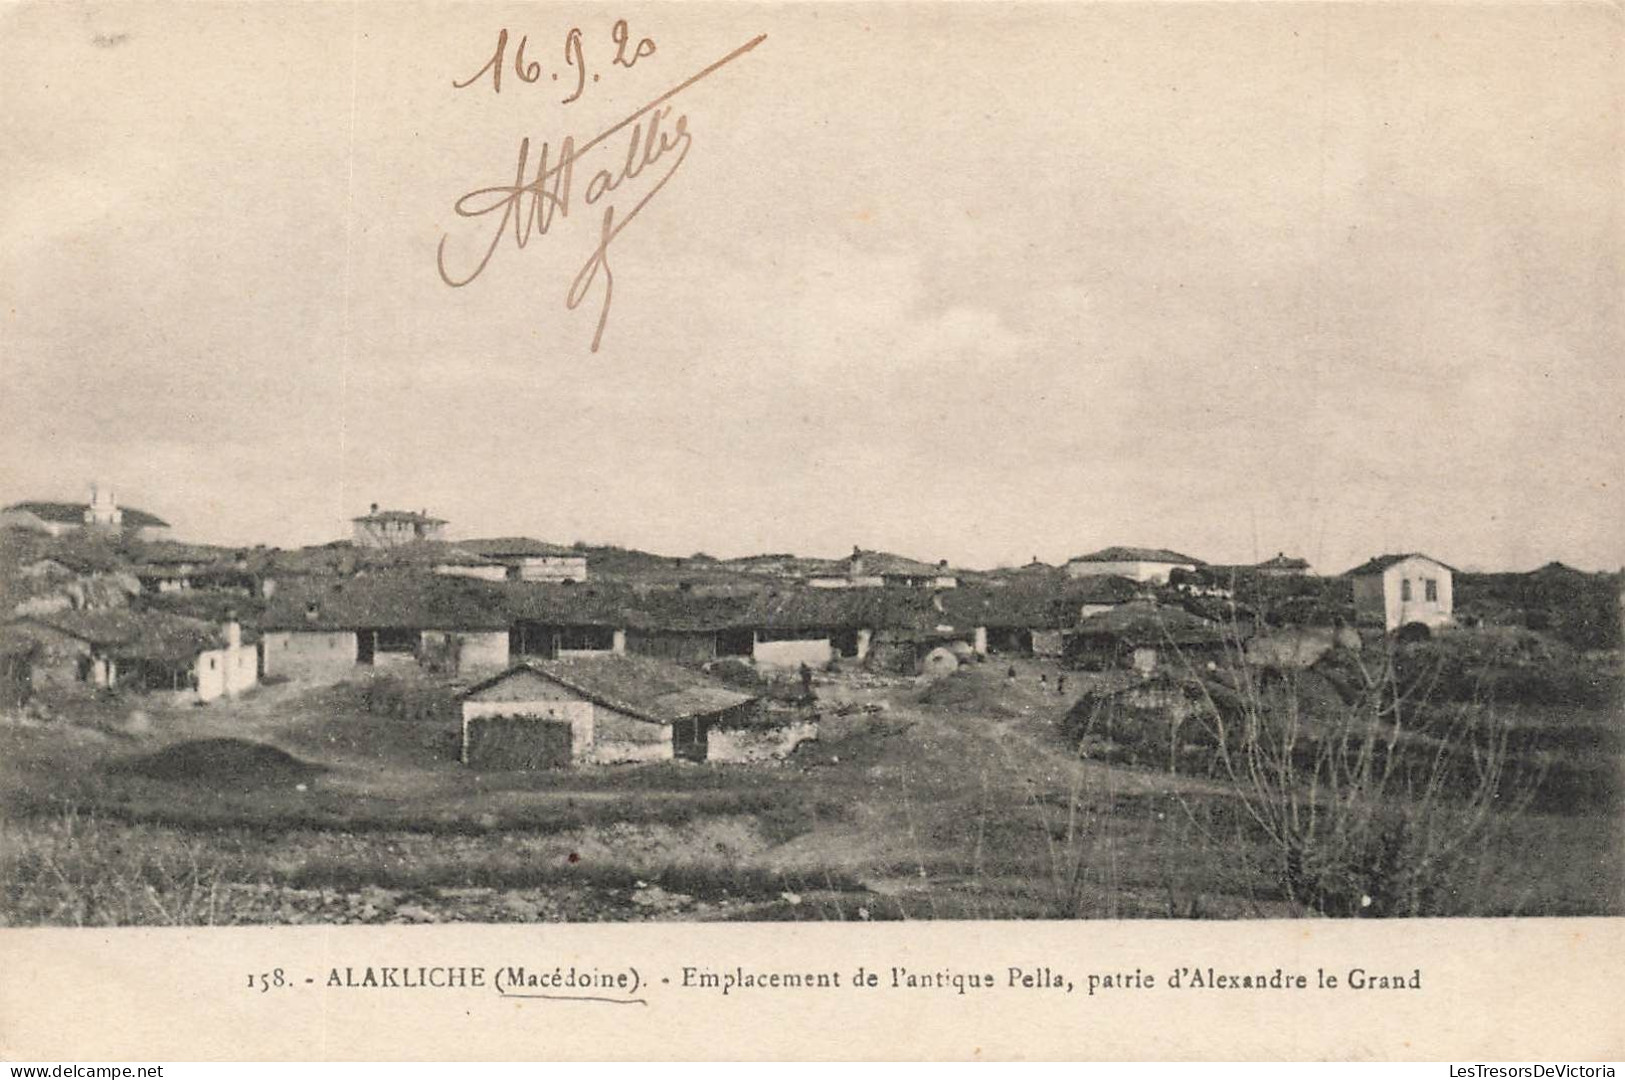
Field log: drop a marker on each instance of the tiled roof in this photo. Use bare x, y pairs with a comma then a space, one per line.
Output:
885, 564
388, 601
138, 635
654, 690
74, 513
518, 547
1383, 562
1138, 554
400, 515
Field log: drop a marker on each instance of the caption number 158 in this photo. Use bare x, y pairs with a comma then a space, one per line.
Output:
267, 979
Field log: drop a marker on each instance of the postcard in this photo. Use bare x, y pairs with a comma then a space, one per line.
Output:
774, 530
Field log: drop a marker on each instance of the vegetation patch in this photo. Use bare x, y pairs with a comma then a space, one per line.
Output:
223, 763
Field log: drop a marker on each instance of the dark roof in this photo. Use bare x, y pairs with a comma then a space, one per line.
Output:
517, 547
400, 515
1137, 554
419, 554
1283, 561
888, 564
1555, 569
1100, 589
649, 689
388, 601
170, 552
838, 609
1144, 622
138, 635
74, 513
1383, 562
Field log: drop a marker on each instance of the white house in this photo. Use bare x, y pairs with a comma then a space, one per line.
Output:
531, 560
1394, 590
102, 513
874, 569
1134, 563
387, 528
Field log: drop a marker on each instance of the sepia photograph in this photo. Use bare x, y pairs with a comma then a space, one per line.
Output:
469, 463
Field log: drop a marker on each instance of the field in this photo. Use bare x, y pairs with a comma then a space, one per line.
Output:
958, 801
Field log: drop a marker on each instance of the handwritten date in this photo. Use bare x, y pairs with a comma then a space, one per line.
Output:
573, 66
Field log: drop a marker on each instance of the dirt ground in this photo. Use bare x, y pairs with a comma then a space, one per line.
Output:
955, 800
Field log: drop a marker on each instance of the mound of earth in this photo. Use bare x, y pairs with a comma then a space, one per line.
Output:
989, 695
235, 763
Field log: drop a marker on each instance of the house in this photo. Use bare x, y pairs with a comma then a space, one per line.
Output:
389, 528
1394, 590
790, 627
1019, 618
874, 569
326, 629
102, 514
123, 648
430, 556
1282, 565
556, 621
600, 710
531, 560
1134, 563
1144, 635
168, 566
1096, 595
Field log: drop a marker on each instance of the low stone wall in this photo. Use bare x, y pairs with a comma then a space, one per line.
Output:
752, 745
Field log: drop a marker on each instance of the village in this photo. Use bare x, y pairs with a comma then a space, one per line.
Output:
588, 674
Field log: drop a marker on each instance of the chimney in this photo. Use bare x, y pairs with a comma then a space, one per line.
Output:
374, 508
942, 564
233, 631
313, 611
856, 562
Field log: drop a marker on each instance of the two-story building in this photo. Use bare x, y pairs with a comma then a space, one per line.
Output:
389, 528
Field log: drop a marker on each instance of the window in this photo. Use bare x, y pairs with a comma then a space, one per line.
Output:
1405, 589
1431, 590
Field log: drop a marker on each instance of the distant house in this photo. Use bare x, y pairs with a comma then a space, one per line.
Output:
431, 556
166, 566
1134, 563
1098, 594
531, 560
1393, 590
1283, 565
874, 569
327, 629
152, 651
605, 710
1143, 635
388, 528
101, 514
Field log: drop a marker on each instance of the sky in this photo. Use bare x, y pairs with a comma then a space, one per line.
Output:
970, 282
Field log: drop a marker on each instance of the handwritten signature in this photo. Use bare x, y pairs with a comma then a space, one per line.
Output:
531, 202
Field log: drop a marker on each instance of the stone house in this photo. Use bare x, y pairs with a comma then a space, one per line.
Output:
598, 710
